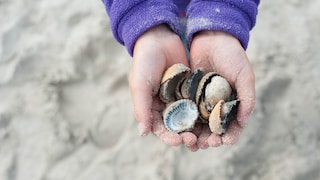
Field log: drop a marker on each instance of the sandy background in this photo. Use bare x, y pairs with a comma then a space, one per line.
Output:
66, 113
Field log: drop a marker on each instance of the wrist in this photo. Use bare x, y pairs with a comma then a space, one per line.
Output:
157, 36
161, 30
216, 37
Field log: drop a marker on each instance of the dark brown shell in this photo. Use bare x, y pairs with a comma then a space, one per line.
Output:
190, 85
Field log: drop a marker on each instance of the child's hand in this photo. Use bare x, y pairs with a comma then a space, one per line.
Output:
221, 52
154, 52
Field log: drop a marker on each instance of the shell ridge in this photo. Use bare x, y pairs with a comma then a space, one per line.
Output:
180, 115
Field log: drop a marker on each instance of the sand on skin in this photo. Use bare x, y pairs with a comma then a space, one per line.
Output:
66, 112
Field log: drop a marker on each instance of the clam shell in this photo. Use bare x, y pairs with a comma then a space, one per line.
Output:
229, 110
204, 113
174, 70
171, 79
202, 84
221, 116
180, 115
178, 88
189, 87
218, 89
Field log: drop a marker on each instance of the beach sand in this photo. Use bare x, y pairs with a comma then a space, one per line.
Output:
66, 111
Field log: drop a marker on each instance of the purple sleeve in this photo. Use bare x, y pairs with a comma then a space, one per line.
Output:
236, 17
131, 18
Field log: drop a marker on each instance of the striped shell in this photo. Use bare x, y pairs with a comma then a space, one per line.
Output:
221, 116
180, 116
190, 85
170, 80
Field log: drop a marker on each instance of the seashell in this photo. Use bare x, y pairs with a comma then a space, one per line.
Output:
170, 81
202, 84
174, 70
189, 86
217, 89
191, 95
178, 88
204, 113
180, 115
221, 115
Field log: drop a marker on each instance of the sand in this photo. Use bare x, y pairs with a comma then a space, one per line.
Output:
66, 111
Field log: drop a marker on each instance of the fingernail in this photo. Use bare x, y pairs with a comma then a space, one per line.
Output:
142, 129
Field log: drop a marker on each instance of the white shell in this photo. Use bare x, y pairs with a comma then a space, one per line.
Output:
218, 89
180, 115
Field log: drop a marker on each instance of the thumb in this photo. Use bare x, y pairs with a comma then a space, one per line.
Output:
144, 82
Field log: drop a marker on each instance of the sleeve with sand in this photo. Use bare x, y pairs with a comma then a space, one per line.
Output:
130, 19
236, 17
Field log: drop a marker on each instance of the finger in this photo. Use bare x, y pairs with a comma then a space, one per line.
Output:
142, 102
193, 148
233, 133
144, 83
158, 128
188, 138
171, 138
214, 140
203, 138
245, 86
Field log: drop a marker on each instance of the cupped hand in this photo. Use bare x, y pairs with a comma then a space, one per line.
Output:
154, 52
223, 53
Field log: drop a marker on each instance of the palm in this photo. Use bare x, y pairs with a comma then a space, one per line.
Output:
217, 51
154, 52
